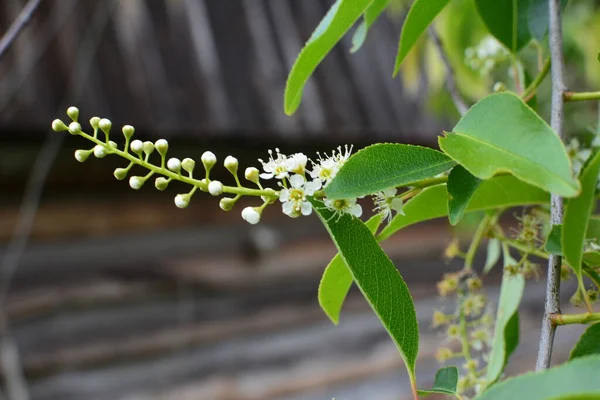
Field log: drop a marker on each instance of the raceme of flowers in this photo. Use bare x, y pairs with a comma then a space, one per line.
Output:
295, 180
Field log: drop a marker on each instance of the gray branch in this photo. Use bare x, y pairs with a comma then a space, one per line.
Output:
457, 99
552, 303
20, 22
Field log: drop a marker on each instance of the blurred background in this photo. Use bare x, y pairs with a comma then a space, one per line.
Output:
116, 294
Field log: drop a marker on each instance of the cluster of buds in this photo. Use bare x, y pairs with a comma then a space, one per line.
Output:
486, 55
295, 181
468, 327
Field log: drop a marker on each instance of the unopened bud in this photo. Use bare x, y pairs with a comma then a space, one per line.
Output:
162, 146
137, 146
188, 164
215, 188
231, 163
226, 203
250, 215
94, 122
499, 87
73, 113
208, 160
58, 126
182, 200
100, 151
161, 183
82, 155
74, 128
148, 148
120, 173
251, 174
105, 125
128, 131
136, 182
174, 164
112, 144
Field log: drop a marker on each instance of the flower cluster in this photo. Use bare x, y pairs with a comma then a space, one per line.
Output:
296, 181
486, 55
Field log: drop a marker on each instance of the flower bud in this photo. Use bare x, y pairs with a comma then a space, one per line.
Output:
215, 188
112, 144
231, 163
208, 160
73, 113
82, 155
136, 182
226, 203
162, 146
100, 151
58, 125
128, 131
182, 200
74, 128
250, 215
148, 148
161, 183
174, 164
120, 173
105, 125
136, 146
188, 164
94, 122
251, 174
499, 87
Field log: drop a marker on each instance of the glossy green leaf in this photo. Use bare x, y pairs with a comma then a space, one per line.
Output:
506, 335
588, 344
371, 15
593, 231
575, 378
592, 258
492, 255
338, 20
378, 280
461, 187
502, 134
577, 213
499, 192
383, 166
553, 245
420, 15
446, 381
337, 280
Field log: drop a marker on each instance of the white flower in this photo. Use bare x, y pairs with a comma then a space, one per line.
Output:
174, 164
136, 182
251, 174
325, 169
105, 125
386, 202
296, 163
215, 188
136, 146
344, 206
294, 198
208, 159
99, 151
275, 167
250, 215
577, 155
188, 164
182, 200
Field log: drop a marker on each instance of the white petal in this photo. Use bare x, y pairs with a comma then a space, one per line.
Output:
355, 210
306, 208
288, 208
284, 195
397, 205
266, 176
297, 181
312, 187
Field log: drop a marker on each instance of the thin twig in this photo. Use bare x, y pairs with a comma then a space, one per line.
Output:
17, 26
457, 99
581, 96
552, 303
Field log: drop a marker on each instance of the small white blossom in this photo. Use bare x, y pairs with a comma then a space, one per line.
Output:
344, 206
105, 125
136, 182
58, 125
99, 151
128, 131
137, 146
161, 145
74, 127
251, 174
250, 215
386, 202
294, 199
208, 159
174, 164
231, 163
577, 155
188, 164
296, 163
82, 155
215, 188
326, 168
182, 200
275, 167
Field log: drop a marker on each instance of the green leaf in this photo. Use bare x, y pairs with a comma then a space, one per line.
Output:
577, 213
337, 280
371, 15
383, 166
593, 231
378, 280
502, 134
506, 335
492, 256
591, 258
576, 378
499, 192
420, 15
446, 380
461, 187
553, 245
338, 20
588, 344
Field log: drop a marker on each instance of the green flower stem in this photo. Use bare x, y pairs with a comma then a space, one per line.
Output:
581, 96
531, 89
593, 275
477, 238
569, 319
463, 335
521, 247
172, 175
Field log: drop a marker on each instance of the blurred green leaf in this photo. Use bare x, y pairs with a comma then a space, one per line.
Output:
383, 166
378, 280
588, 344
338, 20
446, 381
553, 245
337, 280
461, 187
371, 15
502, 134
492, 255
